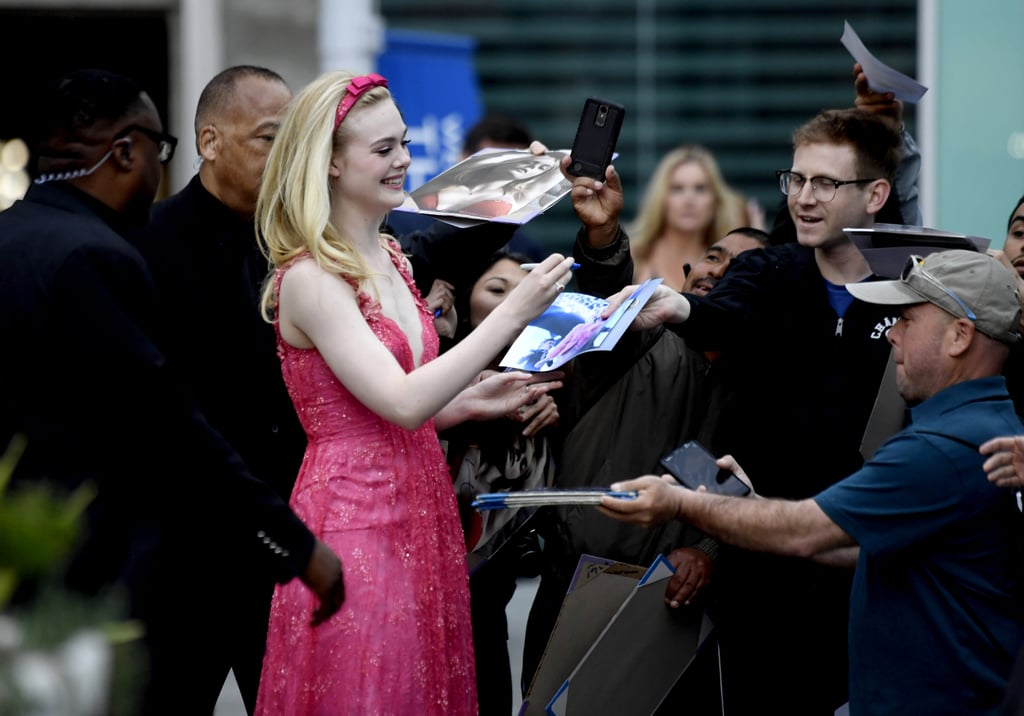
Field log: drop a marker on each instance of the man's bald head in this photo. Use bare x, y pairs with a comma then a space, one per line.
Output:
218, 95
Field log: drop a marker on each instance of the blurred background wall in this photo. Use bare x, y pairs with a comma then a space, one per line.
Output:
734, 75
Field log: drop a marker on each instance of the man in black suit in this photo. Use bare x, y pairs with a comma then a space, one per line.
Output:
201, 249
84, 377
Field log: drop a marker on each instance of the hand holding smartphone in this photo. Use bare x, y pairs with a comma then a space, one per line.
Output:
598, 131
692, 466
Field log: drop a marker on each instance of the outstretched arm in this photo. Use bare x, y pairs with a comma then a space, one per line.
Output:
795, 528
887, 106
321, 309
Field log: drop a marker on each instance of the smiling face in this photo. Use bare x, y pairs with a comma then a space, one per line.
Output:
709, 270
492, 288
370, 167
820, 224
1014, 245
690, 200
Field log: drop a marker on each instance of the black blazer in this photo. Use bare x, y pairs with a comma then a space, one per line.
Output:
83, 377
209, 273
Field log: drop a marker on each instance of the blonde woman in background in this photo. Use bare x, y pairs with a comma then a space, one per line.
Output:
687, 207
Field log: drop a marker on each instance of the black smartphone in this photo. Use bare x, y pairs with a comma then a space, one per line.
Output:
596, 136
692, 466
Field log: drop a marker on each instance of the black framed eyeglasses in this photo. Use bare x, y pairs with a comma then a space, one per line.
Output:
915, 267
822, 188
165, 142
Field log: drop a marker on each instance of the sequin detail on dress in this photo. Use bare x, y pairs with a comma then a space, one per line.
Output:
381, 497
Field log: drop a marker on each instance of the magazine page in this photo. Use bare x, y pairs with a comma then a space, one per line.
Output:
573, 325
881, 77
504, 185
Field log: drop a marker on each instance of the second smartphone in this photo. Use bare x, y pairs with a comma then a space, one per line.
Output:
692, 466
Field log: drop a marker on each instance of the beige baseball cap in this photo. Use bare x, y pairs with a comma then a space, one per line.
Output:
966, 284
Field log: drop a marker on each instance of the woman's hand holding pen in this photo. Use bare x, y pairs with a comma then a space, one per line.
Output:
536, 291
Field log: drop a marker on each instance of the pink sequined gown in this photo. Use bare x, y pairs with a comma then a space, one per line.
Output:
381, 496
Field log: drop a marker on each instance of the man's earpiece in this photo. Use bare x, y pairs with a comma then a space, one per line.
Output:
686, 270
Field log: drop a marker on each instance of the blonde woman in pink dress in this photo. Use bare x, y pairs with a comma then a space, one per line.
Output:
358, 350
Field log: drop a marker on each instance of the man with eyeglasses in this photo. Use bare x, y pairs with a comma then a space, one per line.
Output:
86, 380
935, 609
805, 360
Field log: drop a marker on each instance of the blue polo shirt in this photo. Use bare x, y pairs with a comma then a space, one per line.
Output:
935, 607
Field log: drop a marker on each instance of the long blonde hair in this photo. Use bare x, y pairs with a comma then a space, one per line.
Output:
650, 222
294, 206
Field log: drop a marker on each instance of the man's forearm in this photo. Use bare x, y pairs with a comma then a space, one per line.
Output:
784, 527
841, 557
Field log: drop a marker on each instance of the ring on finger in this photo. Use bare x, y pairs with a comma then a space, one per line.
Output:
559, 286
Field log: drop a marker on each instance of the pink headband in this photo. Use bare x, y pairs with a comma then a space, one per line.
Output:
357, 87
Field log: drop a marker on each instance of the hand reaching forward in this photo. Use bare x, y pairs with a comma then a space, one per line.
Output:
324, 578
664, 306
657, 501
518, 396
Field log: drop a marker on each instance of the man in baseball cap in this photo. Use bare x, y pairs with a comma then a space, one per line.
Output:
965, 284
937, 570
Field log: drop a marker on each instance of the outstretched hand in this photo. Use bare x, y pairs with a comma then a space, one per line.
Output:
657, 501
664, 306
521, 397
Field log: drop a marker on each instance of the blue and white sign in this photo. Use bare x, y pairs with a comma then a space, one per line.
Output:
433, 80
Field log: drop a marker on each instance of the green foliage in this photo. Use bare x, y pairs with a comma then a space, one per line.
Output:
38, 527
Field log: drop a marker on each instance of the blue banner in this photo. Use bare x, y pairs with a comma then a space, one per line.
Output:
434, 82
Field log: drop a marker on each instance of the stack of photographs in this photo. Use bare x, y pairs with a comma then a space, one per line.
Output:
547, 496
